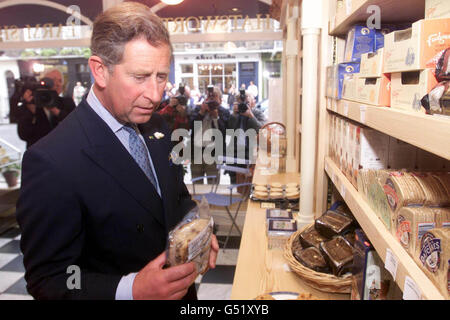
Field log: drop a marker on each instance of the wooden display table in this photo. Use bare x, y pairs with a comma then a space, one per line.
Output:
259, 269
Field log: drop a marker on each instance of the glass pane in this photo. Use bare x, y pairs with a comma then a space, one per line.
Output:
203, 69
217, 69
230, 69
203, 83
218, 82
187, 68
188, 81
229, 82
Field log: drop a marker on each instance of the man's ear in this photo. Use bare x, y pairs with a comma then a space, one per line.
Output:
99, 71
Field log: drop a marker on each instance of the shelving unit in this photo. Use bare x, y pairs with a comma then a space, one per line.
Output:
427, 132
430, 133
379, 236
355, 11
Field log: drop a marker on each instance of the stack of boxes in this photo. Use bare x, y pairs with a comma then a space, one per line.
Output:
354, 147
410, 58
391, 67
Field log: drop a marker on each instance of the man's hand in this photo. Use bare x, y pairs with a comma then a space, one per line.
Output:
181, 110
248, 113
173, 101
214, 113
213, 253
55, 111
155, 283
204, 109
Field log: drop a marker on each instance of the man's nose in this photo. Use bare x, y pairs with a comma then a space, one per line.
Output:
152, 91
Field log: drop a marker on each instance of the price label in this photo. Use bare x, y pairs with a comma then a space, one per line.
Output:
334, 105
346, 109
411, 291
362, 114
391, 263
267, 205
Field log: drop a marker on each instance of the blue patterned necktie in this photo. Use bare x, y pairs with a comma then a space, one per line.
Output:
139, 153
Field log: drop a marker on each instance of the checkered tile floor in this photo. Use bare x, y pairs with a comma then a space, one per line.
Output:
214, 285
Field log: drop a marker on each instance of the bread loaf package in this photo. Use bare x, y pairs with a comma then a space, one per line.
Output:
402, 189
411, 223
435, 194
434, 258
190, 240
369, 182
444, 180
442, 216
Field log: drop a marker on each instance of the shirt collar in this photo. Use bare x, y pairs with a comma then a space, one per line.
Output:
102, 112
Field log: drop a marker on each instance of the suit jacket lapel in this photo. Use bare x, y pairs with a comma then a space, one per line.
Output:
159, 153
109, 153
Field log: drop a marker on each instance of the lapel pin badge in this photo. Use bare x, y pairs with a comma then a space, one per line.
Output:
157, 135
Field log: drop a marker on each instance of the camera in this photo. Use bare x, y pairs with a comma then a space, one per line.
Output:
210, 99
243, 104
182, 99
43, 95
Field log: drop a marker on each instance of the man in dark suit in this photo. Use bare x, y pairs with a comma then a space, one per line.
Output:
100, 192
34, 122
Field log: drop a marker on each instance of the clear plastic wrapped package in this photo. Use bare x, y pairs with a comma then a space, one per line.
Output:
190, 240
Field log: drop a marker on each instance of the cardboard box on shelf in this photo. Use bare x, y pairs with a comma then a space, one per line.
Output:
437, 9
371, 149
349, 87
360, 39
385, 29
402, 155
374, 91
408, 88
343, 70
372, 64
332, 82
427, 161
417, 47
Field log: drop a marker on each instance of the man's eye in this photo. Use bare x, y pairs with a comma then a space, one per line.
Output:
162, 77
140, 78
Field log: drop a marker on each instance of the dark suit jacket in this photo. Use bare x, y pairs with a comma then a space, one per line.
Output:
84, 201
32, 127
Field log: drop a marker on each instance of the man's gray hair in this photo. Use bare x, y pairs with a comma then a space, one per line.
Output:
127, 21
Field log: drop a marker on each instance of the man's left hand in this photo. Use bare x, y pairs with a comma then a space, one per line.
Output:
55, 111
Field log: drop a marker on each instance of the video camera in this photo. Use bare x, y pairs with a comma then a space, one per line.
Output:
243, 104
210, 99
43, 95
182, 99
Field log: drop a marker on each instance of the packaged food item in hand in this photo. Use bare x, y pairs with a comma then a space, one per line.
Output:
190, 240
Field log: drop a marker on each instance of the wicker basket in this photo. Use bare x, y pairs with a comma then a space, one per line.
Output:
320, 281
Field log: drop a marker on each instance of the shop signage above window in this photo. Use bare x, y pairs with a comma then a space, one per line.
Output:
226, 23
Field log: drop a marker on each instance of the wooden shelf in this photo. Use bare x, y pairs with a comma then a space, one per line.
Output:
427, 132
379, 236
391, 11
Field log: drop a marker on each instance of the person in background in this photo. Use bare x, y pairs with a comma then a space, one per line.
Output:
78, 92
231, 96
35, 122
99, 194
253, 89
212, 115
177, 109
245, 120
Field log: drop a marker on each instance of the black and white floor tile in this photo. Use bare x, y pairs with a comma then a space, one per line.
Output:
214, 285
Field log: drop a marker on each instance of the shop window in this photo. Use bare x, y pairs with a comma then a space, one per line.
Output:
187, 68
